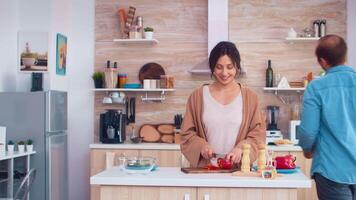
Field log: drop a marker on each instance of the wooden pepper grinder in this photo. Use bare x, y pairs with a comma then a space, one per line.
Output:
245, 163
261, 160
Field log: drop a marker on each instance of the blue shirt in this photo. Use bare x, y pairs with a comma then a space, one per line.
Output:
328, 124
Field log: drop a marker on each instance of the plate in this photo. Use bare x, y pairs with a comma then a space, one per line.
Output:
288, 171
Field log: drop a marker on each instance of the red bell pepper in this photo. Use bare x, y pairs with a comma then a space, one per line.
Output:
285, 162
224, 163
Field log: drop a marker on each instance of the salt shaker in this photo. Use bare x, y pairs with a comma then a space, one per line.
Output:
316, 25
322, 28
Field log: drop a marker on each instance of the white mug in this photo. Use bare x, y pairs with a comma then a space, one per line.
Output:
114, 95
146, 84
153, 83
107, 100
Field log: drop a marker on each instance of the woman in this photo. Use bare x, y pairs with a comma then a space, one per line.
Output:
220, 117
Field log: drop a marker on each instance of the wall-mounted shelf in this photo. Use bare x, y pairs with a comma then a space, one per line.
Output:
276, 89
301, 39
161, 98
136, 41
280, 90
200, 71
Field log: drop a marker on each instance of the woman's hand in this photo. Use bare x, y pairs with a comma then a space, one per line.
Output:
207, 151
235, 155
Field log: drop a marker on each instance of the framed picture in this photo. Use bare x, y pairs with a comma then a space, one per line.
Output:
61, 54
33, 51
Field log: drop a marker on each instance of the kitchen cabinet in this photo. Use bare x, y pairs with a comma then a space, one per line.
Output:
147, 193
164, 158
246, 194
169, 155
171, 183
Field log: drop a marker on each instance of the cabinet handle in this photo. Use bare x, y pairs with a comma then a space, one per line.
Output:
186, 197
206, 197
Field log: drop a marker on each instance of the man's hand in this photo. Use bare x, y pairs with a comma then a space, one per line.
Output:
207, 151
235, 155
308, 154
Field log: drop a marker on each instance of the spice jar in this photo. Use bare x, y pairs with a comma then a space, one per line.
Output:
122, 80
134, 33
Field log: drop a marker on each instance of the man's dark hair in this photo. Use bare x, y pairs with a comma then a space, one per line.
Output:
221, 49
333, 49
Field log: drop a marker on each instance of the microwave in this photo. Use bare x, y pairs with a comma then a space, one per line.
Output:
293, 131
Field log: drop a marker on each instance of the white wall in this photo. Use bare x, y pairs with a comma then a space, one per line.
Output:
75, 19
81, 99
36, 21
8, 42
351, 32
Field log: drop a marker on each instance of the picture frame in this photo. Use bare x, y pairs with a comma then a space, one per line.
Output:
61, 54
33, 52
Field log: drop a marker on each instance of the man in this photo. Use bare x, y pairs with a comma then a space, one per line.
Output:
328, 123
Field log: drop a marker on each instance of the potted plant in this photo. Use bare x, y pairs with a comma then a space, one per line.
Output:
29, 146
10, 147
98, 78
148, 33
21, 146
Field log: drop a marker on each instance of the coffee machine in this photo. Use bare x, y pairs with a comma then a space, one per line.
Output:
273, 133
113, 126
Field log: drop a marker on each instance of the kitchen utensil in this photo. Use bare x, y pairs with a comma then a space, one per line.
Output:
130, 18
273, 133
139, 165
288, 171
146, 83
115, 119
107, 100
178, 119
131, 110
190, 170
132, 85
150, 71
122, 20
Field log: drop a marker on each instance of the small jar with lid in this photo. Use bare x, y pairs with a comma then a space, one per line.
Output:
122, 80
134, 33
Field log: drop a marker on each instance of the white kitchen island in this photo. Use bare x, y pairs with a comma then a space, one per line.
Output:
171, 184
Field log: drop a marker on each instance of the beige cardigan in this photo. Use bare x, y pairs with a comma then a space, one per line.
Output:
252, 130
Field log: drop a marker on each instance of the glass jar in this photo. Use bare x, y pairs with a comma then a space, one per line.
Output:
122, 80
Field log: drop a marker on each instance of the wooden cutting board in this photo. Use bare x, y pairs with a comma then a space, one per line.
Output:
202, 170
151, 71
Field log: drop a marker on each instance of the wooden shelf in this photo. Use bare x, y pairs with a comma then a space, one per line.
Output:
133, 90
275, 89
136, 41
146, 98
200, 71
302, 39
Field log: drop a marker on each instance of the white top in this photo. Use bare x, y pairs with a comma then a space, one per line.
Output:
6, 155
222, 122
172, 176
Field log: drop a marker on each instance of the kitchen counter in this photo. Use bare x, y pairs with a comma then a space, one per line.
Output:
165, 146
170, 183
172, 176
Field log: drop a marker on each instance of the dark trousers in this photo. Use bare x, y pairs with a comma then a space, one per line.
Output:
330, 190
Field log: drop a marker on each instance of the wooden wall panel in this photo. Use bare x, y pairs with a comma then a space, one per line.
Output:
257, 27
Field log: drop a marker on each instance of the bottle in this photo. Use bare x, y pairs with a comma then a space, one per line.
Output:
115, 73
269, 75
322, 28
316, 25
